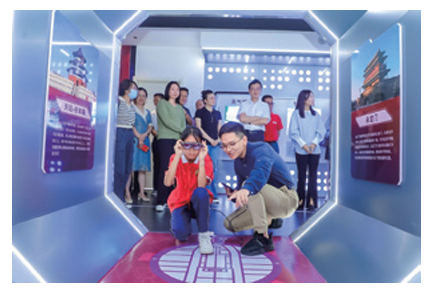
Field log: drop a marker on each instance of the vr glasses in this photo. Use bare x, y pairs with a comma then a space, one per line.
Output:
191, 145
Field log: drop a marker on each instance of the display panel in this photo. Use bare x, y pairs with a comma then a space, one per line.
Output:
376, 118
70, 110
231, 113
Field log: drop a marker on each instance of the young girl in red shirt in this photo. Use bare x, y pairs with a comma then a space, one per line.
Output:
191, 169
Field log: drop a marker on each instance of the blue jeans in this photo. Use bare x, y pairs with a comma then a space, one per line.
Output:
199, 209
274, 145
213, 152
123, 160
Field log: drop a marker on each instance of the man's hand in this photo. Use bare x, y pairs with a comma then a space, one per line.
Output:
241, 196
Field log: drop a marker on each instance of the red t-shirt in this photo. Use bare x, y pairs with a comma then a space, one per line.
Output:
186, 178
275, 124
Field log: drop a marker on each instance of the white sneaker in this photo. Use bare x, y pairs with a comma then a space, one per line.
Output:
205, 244
160, 207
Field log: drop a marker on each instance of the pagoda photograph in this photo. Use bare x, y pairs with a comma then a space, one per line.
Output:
70, 75
376, 86
376, 73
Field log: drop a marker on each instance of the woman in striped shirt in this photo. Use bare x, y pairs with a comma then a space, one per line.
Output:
124, 138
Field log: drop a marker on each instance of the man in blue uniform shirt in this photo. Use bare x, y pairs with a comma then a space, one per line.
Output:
265, 190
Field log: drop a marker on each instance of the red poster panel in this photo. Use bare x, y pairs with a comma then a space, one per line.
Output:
376, 118
375, 137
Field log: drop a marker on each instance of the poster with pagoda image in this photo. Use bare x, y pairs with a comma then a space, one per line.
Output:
71, 100
376, 117
70, 112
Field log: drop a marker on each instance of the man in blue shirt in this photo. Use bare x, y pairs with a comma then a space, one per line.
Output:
265, 190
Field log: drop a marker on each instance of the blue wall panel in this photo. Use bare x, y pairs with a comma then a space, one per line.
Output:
359, 248
77, 244
372, 233
398, 206
36, 193
69, 226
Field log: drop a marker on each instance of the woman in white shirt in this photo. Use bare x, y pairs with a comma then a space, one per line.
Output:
307, 130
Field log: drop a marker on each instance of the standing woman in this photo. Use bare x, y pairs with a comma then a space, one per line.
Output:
307, 130
209, 121
171, 123
141, 152
124, 138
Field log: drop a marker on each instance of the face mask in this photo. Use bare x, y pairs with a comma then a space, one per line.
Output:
133, 94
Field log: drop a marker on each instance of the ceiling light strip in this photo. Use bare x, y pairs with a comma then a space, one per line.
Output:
225, 49
295, 240
127, 22
411, 275
28, 265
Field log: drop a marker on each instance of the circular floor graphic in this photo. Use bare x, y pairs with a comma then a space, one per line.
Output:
226, 265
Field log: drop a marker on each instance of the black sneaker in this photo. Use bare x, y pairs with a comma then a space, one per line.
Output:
276, 223
258, 245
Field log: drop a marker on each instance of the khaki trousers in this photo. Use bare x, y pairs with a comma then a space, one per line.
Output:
268, 204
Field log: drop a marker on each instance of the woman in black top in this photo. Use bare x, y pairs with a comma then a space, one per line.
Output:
209, 121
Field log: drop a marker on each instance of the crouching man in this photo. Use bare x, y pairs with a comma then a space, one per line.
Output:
265, 191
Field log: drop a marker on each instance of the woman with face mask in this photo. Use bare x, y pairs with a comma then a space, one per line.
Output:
128, 91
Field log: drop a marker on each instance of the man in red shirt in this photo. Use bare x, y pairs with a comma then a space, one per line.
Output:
273, 128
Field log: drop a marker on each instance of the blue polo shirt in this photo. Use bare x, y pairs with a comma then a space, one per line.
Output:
261, 165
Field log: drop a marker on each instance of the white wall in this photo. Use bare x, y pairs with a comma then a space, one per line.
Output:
176, 54
160, 60
264, 41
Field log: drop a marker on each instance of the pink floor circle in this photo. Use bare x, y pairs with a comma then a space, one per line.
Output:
185, 264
